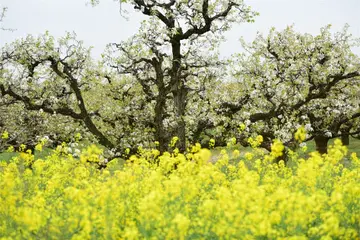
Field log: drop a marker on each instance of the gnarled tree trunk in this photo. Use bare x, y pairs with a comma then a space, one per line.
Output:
180, 106
179, 92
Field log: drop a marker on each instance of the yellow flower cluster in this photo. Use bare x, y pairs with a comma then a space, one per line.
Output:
5, 135
255, 142
181, 196
300, 134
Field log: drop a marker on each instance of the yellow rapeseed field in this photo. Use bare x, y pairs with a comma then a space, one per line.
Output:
178, 196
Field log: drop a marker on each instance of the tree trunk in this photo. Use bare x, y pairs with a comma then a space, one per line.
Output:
345, 139
321, 144
160, 133
180, 105
179, 92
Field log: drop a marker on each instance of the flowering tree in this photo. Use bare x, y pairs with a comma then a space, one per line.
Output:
173, 52
60, 78
169, 61
24, 127
288, 79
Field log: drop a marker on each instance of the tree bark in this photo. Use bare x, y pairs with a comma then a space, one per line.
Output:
345, 139
179, 92
180, 106
321, 144
160, 134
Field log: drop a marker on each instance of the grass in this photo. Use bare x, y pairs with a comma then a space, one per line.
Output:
6, 156
353, 147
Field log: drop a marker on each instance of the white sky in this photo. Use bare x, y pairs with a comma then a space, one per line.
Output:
103, 24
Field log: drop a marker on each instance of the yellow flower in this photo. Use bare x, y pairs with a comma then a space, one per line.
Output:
277, 148
212, 143
249, 156
39, 147
22, 147
10, 149
259, 139
5, 135
236, 153
300, 134
127, 151
257, 142
182, 223
173, 141
77, 137
181, 196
